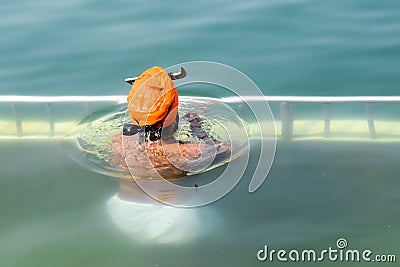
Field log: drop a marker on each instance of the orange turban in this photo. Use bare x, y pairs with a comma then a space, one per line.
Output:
153, 99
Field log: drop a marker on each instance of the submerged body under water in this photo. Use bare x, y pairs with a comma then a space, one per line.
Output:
217, 136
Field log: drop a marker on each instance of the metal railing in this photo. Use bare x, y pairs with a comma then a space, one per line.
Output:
286, 124
286, 109
49, 102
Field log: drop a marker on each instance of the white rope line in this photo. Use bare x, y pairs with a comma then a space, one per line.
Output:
316, 99
232, 99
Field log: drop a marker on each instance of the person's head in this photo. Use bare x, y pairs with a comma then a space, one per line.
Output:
153, 103
153, 99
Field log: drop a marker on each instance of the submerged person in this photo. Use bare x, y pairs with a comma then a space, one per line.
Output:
149, 221
147, 147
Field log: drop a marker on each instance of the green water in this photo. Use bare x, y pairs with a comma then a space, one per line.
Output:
287, 47
54, 213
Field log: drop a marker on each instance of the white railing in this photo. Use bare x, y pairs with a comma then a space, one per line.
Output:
286, 103
49, 102
286, 123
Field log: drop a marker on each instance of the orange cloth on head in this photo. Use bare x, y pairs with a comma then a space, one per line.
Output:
153, 99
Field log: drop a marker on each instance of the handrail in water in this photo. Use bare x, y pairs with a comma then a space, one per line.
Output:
287, 124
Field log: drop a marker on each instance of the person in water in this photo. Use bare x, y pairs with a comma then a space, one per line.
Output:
146, 146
